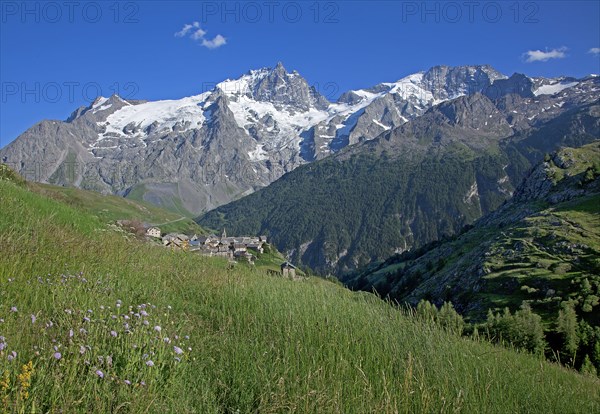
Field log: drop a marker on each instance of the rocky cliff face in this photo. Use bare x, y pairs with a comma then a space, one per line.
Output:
196, 153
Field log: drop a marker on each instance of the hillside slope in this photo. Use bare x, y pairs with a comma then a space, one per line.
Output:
414, 184
110, 208
541, 248
116, 325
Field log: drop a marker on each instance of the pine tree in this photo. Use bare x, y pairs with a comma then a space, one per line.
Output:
566, 325
587, 367
450, 319
530, 332
426, 311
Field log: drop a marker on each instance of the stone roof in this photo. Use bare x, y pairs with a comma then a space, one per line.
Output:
287, 265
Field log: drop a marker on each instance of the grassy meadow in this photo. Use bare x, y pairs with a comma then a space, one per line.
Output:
110, 208
93, 322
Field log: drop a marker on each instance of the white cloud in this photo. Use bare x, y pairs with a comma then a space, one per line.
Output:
540, 56
594, 51
186, 29
218, 41
196, 33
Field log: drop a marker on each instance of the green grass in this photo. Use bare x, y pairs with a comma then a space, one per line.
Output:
258, 343
270, 259
169, 203
110, 208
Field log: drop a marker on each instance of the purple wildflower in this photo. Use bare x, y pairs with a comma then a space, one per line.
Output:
150, 363
144, 313
33, 318
14, 309
70, 333
157, 328
86, 319
113, 333
57, 355
178, 350
12, 355
127, 382
166, 340
146, 322
177, 359
82, 349
2, 346
100, 373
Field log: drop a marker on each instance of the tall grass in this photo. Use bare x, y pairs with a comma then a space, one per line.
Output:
246, 342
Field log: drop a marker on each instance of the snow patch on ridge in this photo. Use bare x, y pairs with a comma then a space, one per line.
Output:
553, 88
166, 113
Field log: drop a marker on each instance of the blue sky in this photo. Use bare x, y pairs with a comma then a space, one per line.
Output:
56, 56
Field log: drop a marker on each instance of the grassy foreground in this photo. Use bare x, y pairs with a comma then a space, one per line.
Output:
111, 325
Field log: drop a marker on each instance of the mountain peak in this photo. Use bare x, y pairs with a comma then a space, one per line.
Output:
279, 67
281, 87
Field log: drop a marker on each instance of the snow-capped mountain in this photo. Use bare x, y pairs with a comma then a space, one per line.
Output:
202, 151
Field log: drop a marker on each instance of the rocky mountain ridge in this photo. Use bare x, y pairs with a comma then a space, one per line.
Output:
199, 152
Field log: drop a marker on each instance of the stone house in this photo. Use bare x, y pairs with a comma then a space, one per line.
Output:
176, 241
257, 247
239, 247
153, 232
288, 270
244, 255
